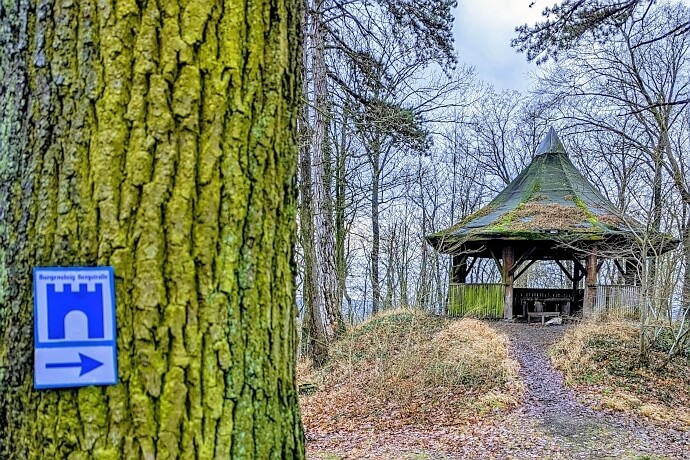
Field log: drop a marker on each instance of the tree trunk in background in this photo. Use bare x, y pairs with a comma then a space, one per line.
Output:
314, 342
685, 293
159, 141
375, 230
340, 207
325, 232
389, 257
424, 280
403, 263
657, 202
313, 337
655, 224
680, 180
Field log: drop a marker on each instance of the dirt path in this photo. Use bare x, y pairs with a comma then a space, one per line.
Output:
550, 424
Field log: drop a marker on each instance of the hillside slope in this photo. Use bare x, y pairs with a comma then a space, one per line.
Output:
405, 368
601, 361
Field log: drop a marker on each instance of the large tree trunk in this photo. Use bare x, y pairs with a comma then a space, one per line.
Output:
160, 141
313, 332
325, 231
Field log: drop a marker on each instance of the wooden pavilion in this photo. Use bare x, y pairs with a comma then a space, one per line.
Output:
548, 212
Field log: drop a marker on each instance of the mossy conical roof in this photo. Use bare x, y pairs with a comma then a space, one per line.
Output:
550, 200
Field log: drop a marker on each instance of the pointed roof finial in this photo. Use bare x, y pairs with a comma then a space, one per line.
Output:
551, 144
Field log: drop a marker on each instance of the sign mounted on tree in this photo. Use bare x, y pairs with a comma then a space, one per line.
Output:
74, 327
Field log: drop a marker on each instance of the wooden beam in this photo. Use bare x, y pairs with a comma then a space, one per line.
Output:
523, 257
578, 264
620, 268
580, 274
498, 262
524, 269
469, 267
558, 262
508, 262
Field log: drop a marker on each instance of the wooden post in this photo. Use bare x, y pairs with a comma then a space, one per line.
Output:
459, 273
508, 277
573, 296
590, 285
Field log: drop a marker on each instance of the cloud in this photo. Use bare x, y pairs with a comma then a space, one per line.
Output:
483, 30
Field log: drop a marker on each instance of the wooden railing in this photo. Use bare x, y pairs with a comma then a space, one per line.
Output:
486, 300
618, 301
476, 300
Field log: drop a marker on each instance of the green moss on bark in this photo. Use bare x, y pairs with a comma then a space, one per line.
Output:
160, 141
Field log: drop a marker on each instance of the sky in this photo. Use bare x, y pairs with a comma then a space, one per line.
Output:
483, 29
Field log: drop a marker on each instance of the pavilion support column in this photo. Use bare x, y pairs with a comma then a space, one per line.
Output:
459, 272
508, 278
590, 285
573, 296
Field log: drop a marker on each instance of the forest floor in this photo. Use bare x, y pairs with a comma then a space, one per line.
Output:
550, 422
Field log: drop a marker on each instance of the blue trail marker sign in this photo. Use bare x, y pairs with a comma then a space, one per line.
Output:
74, 327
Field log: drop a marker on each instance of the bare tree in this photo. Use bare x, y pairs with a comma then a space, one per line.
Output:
636, 89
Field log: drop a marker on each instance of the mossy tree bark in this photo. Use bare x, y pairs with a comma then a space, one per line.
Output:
156, 137
322, 177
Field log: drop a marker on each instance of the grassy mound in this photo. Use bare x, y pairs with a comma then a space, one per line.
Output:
404, 368
601, 360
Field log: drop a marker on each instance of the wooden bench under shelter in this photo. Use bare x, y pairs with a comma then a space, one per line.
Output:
542, 315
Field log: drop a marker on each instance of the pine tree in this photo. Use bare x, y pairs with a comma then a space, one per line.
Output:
568, 22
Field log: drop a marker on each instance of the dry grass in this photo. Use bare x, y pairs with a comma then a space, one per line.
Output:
545, 216
601, 361
406, 368
617, 222
534, 215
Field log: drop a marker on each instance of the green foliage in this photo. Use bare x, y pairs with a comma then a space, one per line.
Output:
430, 24
401, 124
370, 46
568, 22
591, 377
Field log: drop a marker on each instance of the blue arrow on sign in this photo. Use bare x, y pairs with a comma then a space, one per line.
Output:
86, 363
